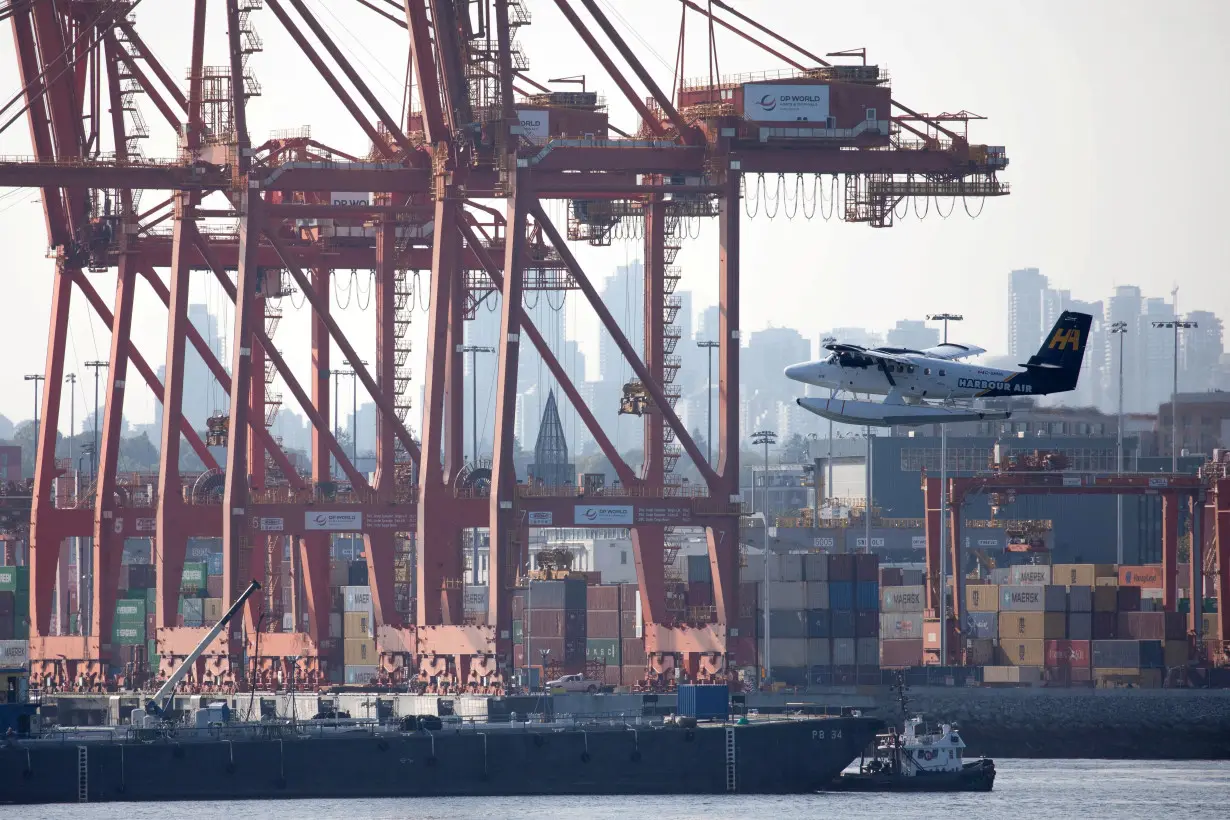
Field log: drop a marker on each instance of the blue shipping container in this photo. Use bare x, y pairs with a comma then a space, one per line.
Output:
867, 595
818, 623
213, 564
842, 623
704, 701
841, 595
982, 625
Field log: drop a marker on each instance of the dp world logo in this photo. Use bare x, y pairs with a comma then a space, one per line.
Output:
768, 102
591, 514
320, 519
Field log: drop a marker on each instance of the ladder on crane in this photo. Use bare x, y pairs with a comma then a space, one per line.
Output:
83, 774
732, 770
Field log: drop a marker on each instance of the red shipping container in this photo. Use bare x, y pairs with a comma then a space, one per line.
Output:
537, 645
628, 593
897, 653
213, 585
892, 577
518, 605
841, 567
867, 624
749, 597
1067, 653
1143, 626
633, 651
547, 623
627, 623
634, 673
1105, 626
700, 593
866, 567
1128, 599
602, 625
602, 598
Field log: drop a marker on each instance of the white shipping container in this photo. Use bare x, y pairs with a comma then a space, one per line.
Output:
787, 595
14, 654
335, 624
791, 567
818, 594
754, 571
194, 609
844, 652
786, 651
901, 625
1029, 574
1011, 674
867, 651
819, 652
816, 566
357, 599
1001, 576
475, 599
1033, 598
903, 599
361, 674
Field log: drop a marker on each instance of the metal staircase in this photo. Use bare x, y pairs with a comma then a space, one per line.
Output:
732, 768
83, 774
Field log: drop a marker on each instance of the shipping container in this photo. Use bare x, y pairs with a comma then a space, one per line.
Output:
8, 630
359, 651
819, 652
981, 651
1210, 626
784, 624
819, 624
603, 649
568, 594
1017, 652
867, 595
8, 579
866, 567
1127, 599
1029, 575
699, 569
1149, 575
844, 651
128, 633
867, 651
743, 651
841, 623
931, 633
913, 577
1080, 598
130, 610
815, 567
1080, 574
357, 574
891, 577
817, 595
1105, 599
1175, 653
841, 594
903, 599
786, 595
791, 567
213, 610
1104, 626
1080, 626
356, 599
841, 567
785, 651
981, 625
633, 651
1033, 625
752, 571
1033, 598
194, 578
1012, 674
602, 624
896, 653
901, 626
867, 623
982, 598
339, 573
7, 604
1130, 654
213, 586
357, 625
361, 675
603, 597
704, 701
1152, 626
1068, 653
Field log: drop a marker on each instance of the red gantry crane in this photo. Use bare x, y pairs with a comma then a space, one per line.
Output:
461, 187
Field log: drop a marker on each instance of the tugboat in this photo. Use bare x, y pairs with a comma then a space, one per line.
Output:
916, 760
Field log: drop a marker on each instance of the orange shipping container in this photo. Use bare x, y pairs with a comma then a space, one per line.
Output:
359, 651
1085, 575
1032, 625
1022, 653
982, 598
1148, 576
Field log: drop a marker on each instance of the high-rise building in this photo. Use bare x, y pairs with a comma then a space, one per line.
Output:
1026, 294
707, 325
623, 294
203, 396
912, 334
1200, 352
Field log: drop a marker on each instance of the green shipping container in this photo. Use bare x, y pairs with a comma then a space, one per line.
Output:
21, 629
73, 620
8, 579
151, 654
195, 577
518, 632
128, 634
603, 649
130, 610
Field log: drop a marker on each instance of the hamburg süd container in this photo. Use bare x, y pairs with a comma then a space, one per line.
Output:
982, 624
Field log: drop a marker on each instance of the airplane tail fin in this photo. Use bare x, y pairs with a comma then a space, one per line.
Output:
1057, 364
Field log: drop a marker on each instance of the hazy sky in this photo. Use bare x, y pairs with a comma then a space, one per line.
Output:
1110, 111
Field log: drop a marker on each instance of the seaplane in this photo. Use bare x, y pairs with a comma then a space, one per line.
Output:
934, 386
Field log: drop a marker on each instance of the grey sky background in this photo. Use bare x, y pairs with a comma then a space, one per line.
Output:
1112, 114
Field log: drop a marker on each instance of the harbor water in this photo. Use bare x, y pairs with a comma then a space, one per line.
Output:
1037, 789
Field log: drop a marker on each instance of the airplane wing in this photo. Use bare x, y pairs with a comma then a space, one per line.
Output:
880, 355
952, 351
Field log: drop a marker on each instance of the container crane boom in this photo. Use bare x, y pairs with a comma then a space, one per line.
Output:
156, 705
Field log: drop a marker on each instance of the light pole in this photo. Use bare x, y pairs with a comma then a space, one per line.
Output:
71, 379
945, 318
765, 437
828, 485
767, 660
36, 378
710, 346
474, 350
95, 366
1120, 330
1175, 325
867, 506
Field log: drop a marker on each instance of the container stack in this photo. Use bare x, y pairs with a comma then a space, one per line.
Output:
555, 612
823, 618
14, 603
359, 657
613, 634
